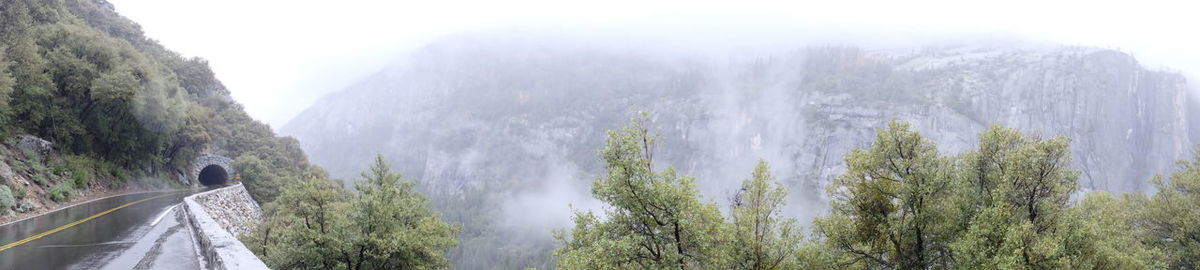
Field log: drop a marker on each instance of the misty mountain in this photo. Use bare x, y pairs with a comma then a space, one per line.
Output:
503, 133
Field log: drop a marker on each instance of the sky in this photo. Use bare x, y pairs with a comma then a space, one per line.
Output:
277, 57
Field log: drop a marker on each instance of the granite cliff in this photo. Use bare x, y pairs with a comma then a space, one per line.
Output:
498, 125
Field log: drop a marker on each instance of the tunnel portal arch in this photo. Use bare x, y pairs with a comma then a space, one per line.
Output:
212, 170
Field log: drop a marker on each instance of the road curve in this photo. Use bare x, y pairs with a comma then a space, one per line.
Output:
135, 231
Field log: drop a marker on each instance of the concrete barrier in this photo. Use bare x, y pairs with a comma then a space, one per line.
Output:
220, 248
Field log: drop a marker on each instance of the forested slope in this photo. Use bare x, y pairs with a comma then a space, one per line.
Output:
115, 105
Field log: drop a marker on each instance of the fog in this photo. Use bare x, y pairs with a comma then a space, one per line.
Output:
278, 57
487, 103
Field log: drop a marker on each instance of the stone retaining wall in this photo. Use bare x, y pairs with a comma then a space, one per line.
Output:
232, 208
214, 215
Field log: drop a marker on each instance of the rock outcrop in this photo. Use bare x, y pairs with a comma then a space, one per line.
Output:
456, 114
33, 144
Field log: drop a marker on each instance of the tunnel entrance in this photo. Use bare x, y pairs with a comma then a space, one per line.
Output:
213, 175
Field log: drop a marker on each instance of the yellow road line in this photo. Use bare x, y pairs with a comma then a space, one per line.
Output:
72, 224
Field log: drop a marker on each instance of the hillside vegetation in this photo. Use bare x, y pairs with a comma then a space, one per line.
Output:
87, 102
902, 204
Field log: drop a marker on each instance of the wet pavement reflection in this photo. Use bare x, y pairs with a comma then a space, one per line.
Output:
97, 242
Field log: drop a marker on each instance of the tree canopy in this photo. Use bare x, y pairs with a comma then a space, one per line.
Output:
656, 219
316, 224
1010, 203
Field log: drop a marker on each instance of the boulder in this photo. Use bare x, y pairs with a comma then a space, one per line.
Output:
32, 144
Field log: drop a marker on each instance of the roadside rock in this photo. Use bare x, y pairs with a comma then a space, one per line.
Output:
30, 143
6, 173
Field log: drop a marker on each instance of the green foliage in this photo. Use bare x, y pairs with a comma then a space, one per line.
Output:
61, 192
396, 228
761, 238
80, 169
264, 167
1170, 219
6, 199
900, 205
111, 170
1006, 205
258, 177
58, 169
80, 75
1109, 238
25, 207
315, 224
38, 167
40, 179
890, 209
655, 220
1016, 195
20, 192
6, 88
303, 226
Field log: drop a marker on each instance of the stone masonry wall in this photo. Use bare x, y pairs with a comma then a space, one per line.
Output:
232, 208
219, 215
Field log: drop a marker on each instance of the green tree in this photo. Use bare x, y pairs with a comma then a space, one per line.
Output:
396, 228
1107, 236
1170, 219
655, 220
761, 237
1016, 197
6, 200
6, 88
889, 210
261, 181
304, 227
188, 141
316, 224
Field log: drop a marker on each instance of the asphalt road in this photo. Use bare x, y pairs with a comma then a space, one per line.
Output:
136, 231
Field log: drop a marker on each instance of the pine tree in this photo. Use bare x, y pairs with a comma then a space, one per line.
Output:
395, 227
761, 237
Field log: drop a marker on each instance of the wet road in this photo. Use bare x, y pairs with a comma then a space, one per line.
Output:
136, 231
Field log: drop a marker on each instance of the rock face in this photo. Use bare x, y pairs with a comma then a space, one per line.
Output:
456, 104
33, 144
1127, 123
6, 173
506, 122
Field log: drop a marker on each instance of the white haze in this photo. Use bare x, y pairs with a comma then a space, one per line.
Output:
278, 57
550, 203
